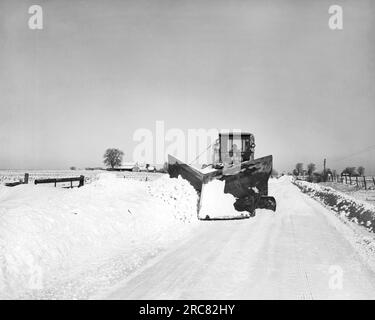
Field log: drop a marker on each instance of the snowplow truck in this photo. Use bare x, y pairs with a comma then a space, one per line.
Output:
242, 176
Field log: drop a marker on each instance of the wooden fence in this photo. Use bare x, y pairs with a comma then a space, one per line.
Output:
360, 181
55, 181
24, 181
80, 179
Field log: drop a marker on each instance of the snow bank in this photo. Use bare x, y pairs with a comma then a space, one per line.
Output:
50, 235
353, 209
180, 197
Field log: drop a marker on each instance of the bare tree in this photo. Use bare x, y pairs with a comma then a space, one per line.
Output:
113, 157
361, 171
311, 167
350, 171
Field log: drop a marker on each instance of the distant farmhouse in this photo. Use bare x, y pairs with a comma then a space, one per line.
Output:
134, 167
127, 166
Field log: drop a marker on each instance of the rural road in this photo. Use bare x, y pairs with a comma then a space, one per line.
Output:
290, 254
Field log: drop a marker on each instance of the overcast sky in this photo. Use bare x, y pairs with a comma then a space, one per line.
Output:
99, 70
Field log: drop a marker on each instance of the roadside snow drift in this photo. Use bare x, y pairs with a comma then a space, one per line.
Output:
353, 209
50, 236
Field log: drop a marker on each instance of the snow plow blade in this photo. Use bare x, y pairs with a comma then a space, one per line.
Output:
246, 181
178, 168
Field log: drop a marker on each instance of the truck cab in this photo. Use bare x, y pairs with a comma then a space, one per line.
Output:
232, 148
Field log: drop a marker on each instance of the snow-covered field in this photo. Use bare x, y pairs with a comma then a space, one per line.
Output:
17, 175
353, 191
90, 175
68, 243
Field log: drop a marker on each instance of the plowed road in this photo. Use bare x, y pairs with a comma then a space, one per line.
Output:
299, 252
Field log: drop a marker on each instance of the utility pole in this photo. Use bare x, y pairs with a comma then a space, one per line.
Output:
324, 169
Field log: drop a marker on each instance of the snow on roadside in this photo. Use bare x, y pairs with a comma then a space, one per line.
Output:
51, 237
179, 195
353, 209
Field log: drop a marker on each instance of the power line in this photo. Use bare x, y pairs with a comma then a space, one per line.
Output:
369, 148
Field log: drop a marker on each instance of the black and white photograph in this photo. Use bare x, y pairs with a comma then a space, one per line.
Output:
187, 150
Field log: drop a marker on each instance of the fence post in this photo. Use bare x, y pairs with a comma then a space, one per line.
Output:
356, 179
26, 180
350, 179
373, 180
346, 179
81, 181
364, 182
